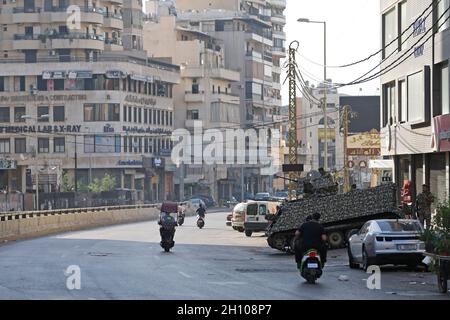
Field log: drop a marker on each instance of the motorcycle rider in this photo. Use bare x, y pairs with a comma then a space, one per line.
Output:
313, 236
201, 211
166, 220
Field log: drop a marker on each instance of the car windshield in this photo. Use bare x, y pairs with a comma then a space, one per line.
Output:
399, 226
282, 194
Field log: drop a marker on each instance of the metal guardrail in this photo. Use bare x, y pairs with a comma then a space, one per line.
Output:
5, 216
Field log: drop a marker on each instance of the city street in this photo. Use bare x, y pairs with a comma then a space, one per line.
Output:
126, 262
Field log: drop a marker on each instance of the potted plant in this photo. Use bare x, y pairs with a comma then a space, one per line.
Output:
437, 238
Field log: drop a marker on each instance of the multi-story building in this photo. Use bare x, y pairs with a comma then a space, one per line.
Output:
415, 113
311, 126
73, 101
204, 95
253, 38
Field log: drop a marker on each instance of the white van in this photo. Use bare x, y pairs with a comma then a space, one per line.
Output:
255, 216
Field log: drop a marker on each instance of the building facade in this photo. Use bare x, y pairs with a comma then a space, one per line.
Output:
254, 42
204, 96
77, 101
415, 92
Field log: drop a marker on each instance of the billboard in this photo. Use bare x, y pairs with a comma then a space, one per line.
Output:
364, 144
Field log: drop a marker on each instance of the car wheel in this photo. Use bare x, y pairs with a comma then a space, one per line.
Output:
351, 261
336, 239
442, 280
248, 233
241, 229
366, 261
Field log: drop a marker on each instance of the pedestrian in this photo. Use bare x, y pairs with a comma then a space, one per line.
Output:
423, 205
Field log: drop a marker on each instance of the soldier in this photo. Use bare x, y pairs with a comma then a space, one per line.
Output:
423, 205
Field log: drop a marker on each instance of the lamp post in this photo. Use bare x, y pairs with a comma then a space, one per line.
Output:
305, 20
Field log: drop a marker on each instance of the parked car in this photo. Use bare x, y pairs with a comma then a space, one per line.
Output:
282, 195
381, 242
237, 220
208, 200
262, 196
255, 219
231, 203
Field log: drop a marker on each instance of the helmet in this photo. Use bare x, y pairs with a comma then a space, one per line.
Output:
316, 216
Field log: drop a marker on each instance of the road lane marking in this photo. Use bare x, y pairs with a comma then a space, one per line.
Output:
185, 275
225, 283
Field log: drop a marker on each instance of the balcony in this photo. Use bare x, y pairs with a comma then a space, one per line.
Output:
279, 51
193, 72
30, 15
226, 97
194, 97
113, 21
27, 42
113, 45
278, 3
77, 41
230, 75
114, 1
278, 18
259, 36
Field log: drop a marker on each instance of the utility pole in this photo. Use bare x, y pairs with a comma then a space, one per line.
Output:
182, 181
292, 118
76, 165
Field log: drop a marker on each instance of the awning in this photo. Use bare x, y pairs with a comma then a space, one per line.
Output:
381, 164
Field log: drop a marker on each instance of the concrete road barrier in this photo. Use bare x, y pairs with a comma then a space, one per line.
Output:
34, 225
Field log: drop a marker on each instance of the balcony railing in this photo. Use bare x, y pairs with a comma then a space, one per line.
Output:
43, 37
57, 9
117, 42
113, 15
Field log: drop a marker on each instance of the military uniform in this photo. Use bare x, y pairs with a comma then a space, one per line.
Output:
423, 204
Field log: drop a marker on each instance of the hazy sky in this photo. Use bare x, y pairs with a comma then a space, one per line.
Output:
353, 32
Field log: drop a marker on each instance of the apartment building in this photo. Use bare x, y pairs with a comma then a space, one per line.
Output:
415, 113
203, 97
312, 132
254, 42
79, 96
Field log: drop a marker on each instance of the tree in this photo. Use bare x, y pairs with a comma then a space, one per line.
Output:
108, 183
67, 184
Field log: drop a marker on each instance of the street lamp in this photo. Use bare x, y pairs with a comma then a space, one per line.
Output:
306, 20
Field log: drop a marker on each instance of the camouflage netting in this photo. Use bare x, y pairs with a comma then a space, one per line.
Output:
337, 207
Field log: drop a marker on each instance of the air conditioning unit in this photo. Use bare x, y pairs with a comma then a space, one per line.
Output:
13, 1
52, 52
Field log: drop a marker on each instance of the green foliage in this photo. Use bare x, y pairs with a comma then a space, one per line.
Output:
107, 183
437, 238
67, 184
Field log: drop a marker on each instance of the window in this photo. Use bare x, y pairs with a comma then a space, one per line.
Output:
403, 101
20, 145
43, 145
389, 33
145, 116
19, 84
2, 84
5, 146
388, 102
140, 115
444, 98
43, 114
30, 56
403, 24
101, 112
58, 84
103, 143
442, 6
59, 114
41, 84
416, 98
19, 112
167, 118
4, 114
124, 113
59, 145
170, 119
193, 115
159, 117
134, 114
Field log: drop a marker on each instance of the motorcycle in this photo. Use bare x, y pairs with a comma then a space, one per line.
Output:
180, 219
168, 222
200, 222
310, 266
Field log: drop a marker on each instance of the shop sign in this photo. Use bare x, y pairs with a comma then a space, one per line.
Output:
140, 100
364, 144
44, 98
147, 130
158, 162
47, 75
442, 133
6, 164
41, 129
114, 74
165, 152
130, 163
80, 75
108, 128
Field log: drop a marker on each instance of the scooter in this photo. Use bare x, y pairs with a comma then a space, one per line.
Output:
167, 234
311, 266
180, 219
200, 222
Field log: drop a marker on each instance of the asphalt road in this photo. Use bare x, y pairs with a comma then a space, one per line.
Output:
126, 262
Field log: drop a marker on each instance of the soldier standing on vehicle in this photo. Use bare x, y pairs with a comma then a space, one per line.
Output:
423, 205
